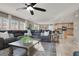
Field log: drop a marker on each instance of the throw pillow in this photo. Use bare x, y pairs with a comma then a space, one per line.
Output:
4, 35
46, 33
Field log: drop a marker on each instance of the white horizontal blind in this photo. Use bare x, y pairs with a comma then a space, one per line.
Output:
5, 23
0, 23
12, 23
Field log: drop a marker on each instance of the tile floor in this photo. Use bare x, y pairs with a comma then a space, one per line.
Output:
66, 47
45, 49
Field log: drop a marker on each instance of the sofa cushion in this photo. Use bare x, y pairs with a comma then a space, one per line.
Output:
9, 40
1, 43
11, 35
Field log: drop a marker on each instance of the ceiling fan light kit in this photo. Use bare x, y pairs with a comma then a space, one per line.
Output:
30, 7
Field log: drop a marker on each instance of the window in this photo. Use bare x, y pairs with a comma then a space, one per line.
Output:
11, 23
22, 25
5, 24
0, 23
14, 24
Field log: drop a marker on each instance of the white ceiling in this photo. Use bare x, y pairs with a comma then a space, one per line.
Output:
53, 11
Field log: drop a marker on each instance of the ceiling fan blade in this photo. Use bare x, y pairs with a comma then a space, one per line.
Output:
31, 11
32, 4
40, 9
22, 8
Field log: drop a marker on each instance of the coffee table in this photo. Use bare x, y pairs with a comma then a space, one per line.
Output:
26, 46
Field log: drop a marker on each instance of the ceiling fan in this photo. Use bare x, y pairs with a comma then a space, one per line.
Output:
31, 8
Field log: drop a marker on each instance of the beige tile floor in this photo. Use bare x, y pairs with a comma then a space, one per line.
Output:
66, 47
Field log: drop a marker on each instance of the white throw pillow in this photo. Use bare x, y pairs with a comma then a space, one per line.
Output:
46, 33
4, 35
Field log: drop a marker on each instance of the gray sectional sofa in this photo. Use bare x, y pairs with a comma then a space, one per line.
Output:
4, 47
